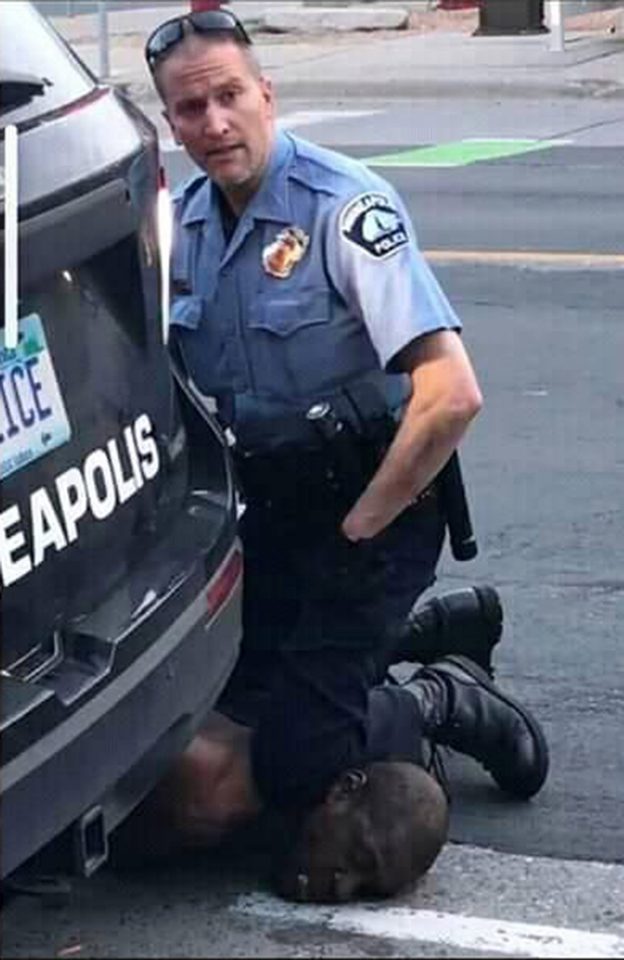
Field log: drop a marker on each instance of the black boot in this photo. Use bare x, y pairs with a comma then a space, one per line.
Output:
468, 622
463, 709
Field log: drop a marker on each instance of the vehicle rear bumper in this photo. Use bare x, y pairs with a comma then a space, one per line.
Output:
109, 752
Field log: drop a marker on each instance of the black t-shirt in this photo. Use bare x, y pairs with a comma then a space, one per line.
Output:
228, 217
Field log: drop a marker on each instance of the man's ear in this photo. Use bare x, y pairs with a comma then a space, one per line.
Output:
348, 783
268, 92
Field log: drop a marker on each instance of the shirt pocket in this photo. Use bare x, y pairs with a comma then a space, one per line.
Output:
289, 340
285, 315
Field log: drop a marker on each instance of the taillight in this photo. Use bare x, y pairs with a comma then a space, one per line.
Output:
225, 581
164, 221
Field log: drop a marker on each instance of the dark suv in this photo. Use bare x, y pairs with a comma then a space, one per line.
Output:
119, 560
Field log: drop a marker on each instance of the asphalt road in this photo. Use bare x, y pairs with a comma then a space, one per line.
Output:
544, 465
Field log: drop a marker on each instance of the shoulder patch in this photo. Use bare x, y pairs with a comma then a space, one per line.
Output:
372, 222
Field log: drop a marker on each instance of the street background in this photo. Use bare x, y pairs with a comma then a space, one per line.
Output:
529, 248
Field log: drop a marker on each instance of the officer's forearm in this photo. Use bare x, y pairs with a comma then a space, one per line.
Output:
412, 461
445, 399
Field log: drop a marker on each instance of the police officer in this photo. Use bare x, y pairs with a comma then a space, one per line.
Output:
303, 306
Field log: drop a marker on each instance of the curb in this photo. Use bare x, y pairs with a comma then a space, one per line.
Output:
419, 90
144, 95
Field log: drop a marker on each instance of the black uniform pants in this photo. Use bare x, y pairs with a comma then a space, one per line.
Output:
320, 615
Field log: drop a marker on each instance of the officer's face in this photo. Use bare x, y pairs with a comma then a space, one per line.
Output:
221, 111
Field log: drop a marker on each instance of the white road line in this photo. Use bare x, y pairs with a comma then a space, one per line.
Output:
304, 118
451, 930
298, 118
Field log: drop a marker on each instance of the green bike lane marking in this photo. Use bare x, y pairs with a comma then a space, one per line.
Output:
460, 153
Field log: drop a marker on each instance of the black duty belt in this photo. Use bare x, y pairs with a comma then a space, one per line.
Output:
303, 479
282, 474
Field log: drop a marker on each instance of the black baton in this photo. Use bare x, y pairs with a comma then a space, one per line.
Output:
452, 493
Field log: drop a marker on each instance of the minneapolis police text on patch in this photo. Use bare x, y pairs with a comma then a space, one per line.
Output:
371, 222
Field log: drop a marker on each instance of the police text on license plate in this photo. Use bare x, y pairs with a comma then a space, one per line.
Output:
33, 419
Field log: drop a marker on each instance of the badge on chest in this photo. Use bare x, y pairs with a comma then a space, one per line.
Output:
281, 257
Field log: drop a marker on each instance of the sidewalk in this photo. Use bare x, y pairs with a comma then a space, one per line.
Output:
431, 54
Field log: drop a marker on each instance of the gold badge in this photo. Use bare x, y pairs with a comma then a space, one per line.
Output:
289, 246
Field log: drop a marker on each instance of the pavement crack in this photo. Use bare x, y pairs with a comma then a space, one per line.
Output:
588, 126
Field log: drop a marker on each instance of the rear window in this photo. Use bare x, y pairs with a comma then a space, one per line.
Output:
38, 71
109, 283
85, 402
87, 324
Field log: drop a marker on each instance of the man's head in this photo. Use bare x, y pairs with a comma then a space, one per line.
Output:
378, 830
217, 103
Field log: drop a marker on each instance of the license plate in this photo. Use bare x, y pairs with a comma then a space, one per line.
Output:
33, 419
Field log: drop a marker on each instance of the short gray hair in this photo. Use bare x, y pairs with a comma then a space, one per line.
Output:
193, 38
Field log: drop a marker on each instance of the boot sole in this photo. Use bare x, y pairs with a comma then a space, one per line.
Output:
526, 790
492, 613
480, 651
492, 610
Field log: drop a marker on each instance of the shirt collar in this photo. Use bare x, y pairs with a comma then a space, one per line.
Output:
272, 199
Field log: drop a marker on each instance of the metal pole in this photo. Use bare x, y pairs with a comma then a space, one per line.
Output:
103, 39
11, 230
557, 34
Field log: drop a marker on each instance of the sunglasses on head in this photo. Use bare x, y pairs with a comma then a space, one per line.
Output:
169, 34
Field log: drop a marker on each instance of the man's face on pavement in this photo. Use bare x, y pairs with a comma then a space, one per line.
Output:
221, 111
332, 859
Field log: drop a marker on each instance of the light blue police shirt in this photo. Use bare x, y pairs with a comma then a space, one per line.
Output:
321, 283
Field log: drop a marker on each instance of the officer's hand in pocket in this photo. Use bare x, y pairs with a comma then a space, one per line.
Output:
368, 518
357, 563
